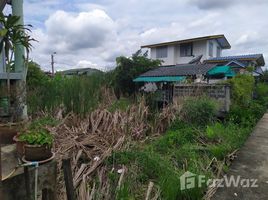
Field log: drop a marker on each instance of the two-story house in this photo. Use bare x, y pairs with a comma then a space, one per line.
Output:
196, 60
183, 51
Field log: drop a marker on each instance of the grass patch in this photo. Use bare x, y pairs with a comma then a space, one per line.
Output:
164, 159
122, 104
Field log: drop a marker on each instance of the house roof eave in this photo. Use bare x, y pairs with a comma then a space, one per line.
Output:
224, 43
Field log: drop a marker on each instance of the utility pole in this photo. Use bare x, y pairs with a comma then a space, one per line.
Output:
19, 63
52, 63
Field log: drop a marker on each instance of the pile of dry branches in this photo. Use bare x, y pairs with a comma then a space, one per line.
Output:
90, 140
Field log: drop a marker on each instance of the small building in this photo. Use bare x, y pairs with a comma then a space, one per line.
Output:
79, 72
197, 60
166, 77
174, 82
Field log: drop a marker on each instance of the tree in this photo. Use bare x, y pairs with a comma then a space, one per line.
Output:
129, 68
35, 76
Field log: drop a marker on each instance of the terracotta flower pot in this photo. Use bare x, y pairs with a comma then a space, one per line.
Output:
37, 152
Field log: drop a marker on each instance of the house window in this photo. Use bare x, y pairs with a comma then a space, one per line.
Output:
186, 49
218, 51
210, 49
161, 52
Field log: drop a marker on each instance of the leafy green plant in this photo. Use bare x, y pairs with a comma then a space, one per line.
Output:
129, 68
242, 87
246, 115
210, 133
199, 110
40, 137
262, 93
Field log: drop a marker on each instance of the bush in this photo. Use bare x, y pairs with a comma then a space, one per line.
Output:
129, 68
199, 111
246, 116
262, 93
242, 89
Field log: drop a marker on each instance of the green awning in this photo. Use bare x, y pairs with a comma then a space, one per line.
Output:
221, 70
159, 79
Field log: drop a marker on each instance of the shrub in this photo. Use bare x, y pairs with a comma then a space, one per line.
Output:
199, 111
262, 93
242, 89
129, 68
246, 116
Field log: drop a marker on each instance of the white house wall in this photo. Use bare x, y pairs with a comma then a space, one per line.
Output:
215, 46
170, 58
199, 48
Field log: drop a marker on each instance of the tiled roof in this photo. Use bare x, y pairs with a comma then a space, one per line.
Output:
258, 57
179, 70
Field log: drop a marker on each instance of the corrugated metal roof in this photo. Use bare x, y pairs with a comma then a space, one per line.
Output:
224, 70
160, 79
80, 71
179, 70
258, 57
221, 39
238, 57
237, 63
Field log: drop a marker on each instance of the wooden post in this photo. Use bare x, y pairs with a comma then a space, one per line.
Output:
27, 182
68, 178
47, 194
1, 192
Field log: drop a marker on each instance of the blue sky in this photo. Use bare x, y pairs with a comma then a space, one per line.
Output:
88, 33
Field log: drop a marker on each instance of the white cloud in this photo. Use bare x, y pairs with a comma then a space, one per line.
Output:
97, 32
80, 36
79, 31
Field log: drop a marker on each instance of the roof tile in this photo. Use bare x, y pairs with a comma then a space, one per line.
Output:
179, 70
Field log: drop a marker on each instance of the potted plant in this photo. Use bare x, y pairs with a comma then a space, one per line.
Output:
37, 144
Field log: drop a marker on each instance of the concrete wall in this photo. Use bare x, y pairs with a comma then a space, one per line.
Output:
219, 92
199, 48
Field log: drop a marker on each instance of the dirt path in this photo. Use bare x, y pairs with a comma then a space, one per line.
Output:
251, 163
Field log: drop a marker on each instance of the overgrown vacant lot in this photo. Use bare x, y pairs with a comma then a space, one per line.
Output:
117, 153
129, 149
